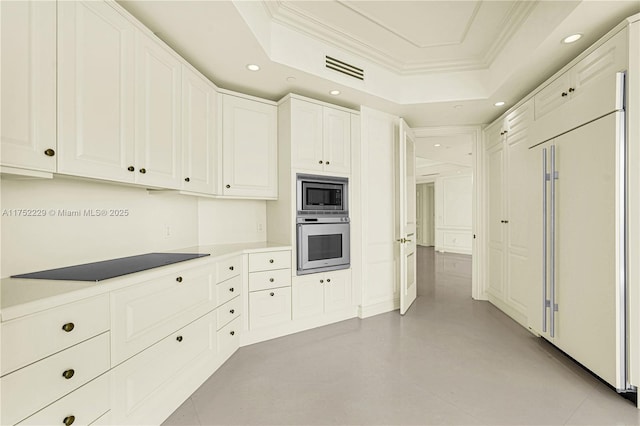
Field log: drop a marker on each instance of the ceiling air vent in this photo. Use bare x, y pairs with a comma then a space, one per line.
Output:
344, 68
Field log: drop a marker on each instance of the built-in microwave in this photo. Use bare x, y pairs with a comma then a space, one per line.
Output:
322, 195
322, 245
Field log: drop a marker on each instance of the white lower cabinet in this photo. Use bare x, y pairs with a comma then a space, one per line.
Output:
316, 294
81, 407
147, 388
229, 339
269, 307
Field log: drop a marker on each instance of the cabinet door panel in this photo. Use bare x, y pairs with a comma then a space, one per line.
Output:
306, 135
158, 99
308, 296
495, 191
269, 307
28, 84
95, 91
337, 140
337, 290
551, 97
199, 127
249, 148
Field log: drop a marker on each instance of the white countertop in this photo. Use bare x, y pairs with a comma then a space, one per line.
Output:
20, 296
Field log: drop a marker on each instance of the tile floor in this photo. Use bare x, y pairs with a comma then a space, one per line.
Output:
450, 361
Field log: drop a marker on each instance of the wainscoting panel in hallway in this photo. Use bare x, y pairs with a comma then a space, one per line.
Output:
449, 361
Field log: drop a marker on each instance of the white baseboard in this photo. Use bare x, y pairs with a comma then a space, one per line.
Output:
517, 316
378, 308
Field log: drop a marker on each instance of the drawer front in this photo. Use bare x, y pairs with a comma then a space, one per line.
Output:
29, 389
229, 311
269, 279
269, 307
229, 338
83, 406
229, 289
31, 338
147, 388
269, 260
144, 314
228, 268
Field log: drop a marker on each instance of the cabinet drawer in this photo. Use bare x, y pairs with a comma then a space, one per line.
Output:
29, 389
229, 311
149, 312
229, 338
228, 268
269, 279
269, 307
147, 388
84, 405
269, 260
229, 289
28, 339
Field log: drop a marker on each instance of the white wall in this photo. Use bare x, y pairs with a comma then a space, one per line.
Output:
425, 228
36, 243
231, 221
453, 210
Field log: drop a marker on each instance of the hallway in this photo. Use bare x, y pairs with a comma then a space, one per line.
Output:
449, 361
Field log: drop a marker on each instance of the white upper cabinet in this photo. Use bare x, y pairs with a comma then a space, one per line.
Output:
199, 127
320, 138
96, 51
28, 94
249, 148
158, 106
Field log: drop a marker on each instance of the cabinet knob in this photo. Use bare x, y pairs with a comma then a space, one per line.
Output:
68, 327
571, 90
179, 338
68, 373
270, 280
231, 289
68, 421
270, 260
143, 170
49, 152
179, 279
232, 333
231, 268
320, 162
187, 179
321, 281
328, 280
272, 294
232, 311
131, 168
564, 94
227, 186
327, 163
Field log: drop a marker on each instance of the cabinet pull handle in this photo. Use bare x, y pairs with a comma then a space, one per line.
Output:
187, 179
232, 311
321, 281
231, 289
564, 94
320, 162
270, 280
68, 373
270, 260
328, 280
143, 170
272, 294
68, 421
232, 333
506, 221
68, 327
227, 186
131, 169
179, 338
49, 152
231, 268
571, 90
179, 279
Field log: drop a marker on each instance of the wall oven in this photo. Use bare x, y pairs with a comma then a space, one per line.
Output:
322, 195
323, 245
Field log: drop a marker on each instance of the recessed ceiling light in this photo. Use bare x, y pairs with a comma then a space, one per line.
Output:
291, 79
572, 38
436, 145
335, 92
457, 106
499, 103
253, 67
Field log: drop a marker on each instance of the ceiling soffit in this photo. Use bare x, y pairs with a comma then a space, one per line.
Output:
409, 37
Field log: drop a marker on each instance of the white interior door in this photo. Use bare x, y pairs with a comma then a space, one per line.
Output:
406, 207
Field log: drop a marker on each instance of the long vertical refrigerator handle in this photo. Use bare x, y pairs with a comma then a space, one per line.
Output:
545, 302
552, 244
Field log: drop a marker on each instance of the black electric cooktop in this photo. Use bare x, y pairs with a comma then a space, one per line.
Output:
98, 271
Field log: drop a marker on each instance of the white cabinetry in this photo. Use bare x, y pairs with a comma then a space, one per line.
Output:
199, 129
96, 63
317, 294
28, 95
508, 219
269, 289
249, 148
320, 138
